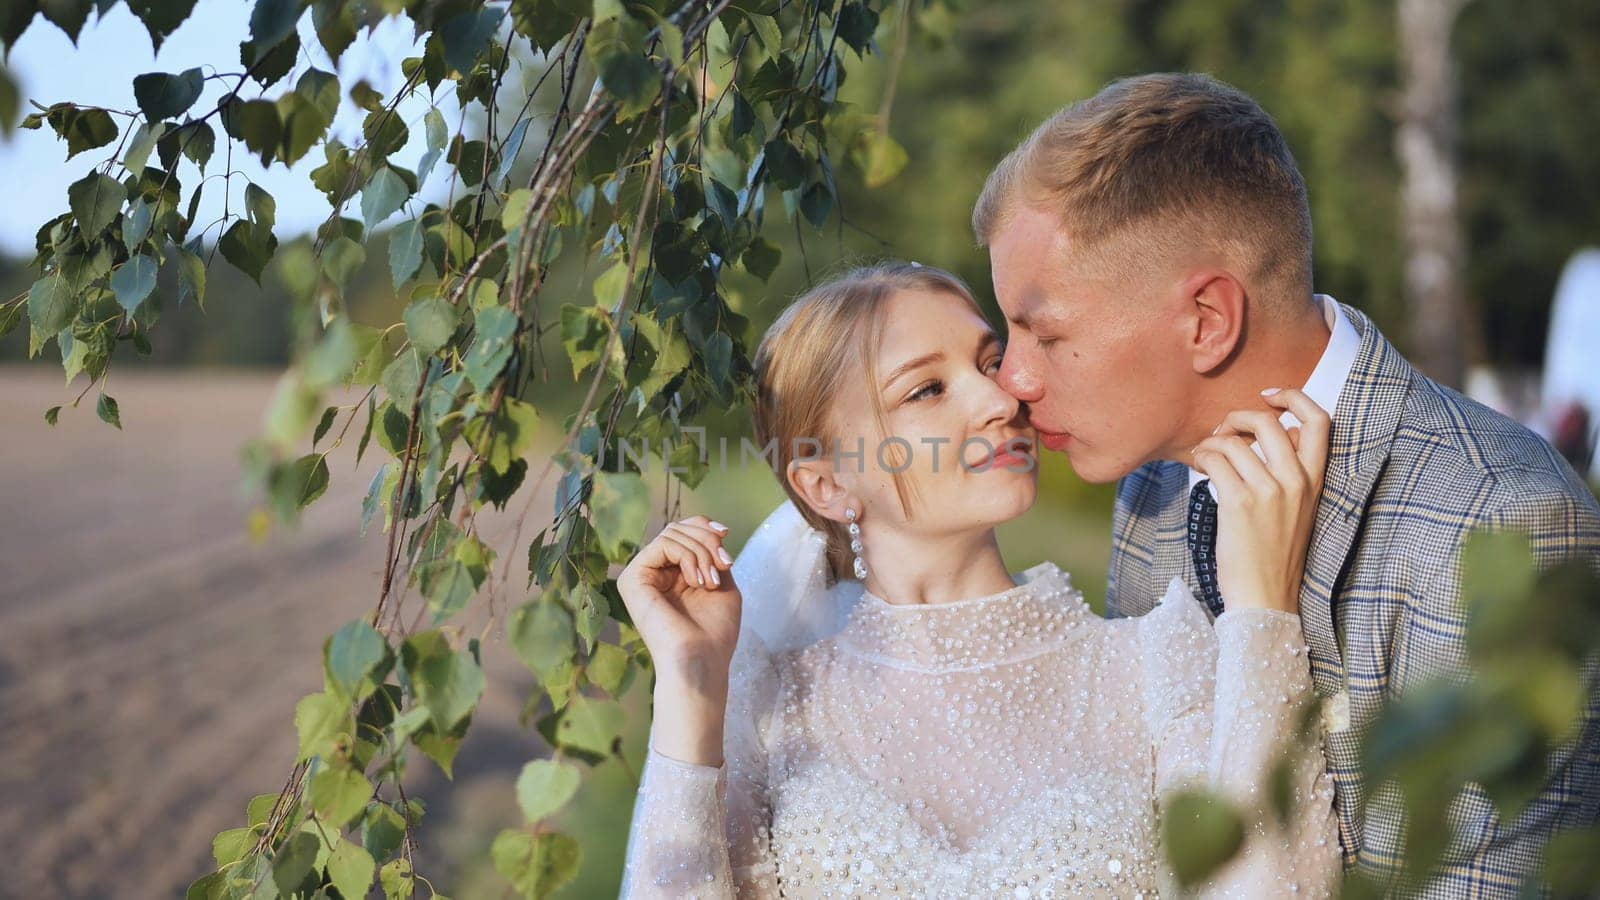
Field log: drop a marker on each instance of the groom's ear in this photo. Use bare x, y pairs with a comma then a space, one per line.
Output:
1217, 305
816, 483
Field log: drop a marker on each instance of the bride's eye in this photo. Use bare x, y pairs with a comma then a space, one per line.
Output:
931, 389
993, 368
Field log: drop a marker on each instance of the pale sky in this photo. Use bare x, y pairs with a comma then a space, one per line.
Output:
100, 71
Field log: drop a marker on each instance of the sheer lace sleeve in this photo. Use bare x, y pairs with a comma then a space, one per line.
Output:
1222, 703
704, 831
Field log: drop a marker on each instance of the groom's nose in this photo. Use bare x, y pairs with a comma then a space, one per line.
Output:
1019, 378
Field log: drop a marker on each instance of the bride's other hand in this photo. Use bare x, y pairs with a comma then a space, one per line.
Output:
1265, 510
682, 597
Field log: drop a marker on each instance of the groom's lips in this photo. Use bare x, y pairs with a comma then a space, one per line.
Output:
1055, 440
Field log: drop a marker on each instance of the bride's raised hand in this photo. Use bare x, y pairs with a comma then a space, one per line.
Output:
1265, 510
681, 595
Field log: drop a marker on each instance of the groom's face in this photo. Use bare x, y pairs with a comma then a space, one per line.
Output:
1095, 346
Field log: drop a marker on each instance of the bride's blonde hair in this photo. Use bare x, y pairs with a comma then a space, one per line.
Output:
825, 342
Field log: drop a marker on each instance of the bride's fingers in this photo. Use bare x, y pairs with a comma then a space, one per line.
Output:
1314, 429
707, 553
1246, 464
1269, 432
1215, 466
707, 537
705, 521
689, 557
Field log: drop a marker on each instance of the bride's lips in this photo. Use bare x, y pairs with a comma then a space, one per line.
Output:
1015, 455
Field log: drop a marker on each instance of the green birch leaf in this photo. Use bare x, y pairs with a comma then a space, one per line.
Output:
619, 507
355, 658
248, 247
585, 333
492, 346
610, 668
1201, 832
198, 143
84, 129
94, 200
328, 416
161, 17
338, 794
545, 786
231, 846
261, 206
342, 259
336, 28
397, 880
376, 491
536, 865
107, 410
382, 831
465, 36
430, 322
136, 223
351, 869
446, 682
761, 258
405, 251
319, 719
591, 610
506, 437
400, 380
51, 307
611, 286
134, 281
272, 20
163, 96
191, 276
144, 140
330, 362
591, 724
541, 633
294, 861
384, 194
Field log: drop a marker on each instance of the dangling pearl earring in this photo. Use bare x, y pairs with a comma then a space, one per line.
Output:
855, 543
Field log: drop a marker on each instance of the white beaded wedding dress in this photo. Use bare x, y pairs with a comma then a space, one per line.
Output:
1012, 745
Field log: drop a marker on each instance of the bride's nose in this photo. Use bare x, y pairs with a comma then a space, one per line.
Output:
995, 406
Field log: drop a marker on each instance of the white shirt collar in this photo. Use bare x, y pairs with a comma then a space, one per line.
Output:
1327, 380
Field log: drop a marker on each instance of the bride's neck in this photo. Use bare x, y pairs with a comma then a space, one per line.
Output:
916, 570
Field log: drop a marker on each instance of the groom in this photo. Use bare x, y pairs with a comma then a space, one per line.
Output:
1151, 251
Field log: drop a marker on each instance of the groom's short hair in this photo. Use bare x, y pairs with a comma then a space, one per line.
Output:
1181, 156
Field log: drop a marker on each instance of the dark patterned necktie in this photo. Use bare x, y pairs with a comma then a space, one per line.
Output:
1203, 544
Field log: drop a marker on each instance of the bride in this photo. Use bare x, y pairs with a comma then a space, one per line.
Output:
867, 703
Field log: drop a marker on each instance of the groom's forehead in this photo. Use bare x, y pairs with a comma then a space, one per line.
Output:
1032, 303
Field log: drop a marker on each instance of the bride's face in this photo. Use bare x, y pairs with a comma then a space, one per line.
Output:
963, 444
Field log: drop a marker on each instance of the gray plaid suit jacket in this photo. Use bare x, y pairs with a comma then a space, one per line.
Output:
1413, 467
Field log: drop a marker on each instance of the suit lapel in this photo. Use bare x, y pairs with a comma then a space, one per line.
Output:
1172, 559
1364, 424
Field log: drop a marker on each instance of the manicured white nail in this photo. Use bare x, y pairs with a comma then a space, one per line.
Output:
716, 580
718, 526
722, 554
1269, 392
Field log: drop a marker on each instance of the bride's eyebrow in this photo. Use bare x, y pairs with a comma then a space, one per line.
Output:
911, 365
988, 339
